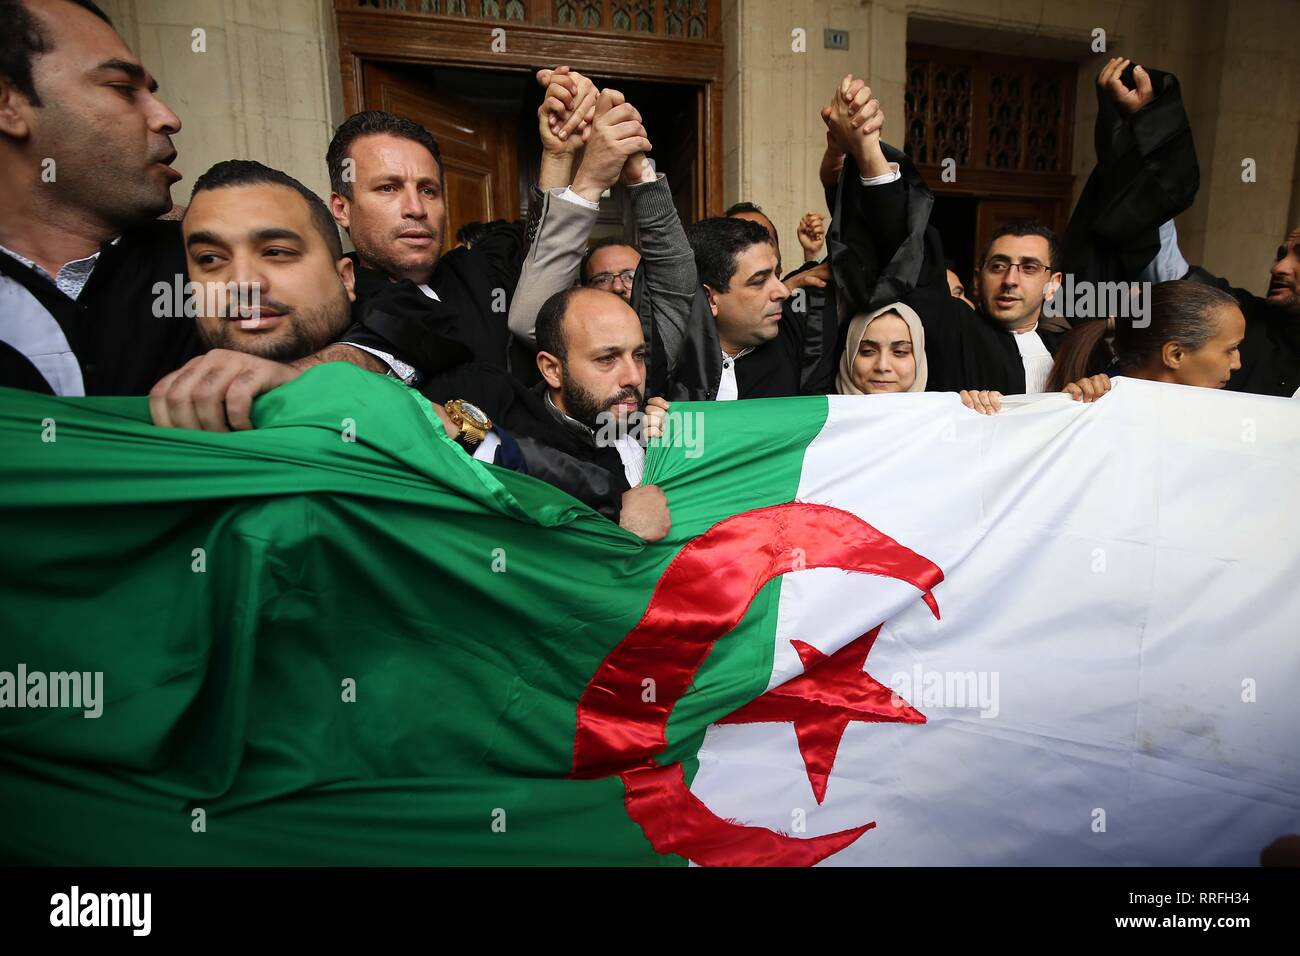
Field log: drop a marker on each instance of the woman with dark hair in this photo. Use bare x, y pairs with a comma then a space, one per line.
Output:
1191, 337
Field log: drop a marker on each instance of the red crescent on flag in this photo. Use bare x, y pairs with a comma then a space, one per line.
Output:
701, 596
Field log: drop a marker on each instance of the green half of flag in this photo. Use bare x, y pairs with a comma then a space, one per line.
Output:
336, 639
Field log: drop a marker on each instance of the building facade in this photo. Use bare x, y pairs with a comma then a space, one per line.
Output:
732, 90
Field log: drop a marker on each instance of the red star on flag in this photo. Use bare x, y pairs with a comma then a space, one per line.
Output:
822, 700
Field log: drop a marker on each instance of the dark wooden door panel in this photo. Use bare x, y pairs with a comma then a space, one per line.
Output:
993, 213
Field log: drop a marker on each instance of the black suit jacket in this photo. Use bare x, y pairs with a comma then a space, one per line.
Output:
474, 288
559, 454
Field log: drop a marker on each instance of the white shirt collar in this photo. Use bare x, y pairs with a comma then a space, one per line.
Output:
73, 275
728, 388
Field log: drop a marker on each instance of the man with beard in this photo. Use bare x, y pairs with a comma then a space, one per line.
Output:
578, 428
242, 229
274, 287
592, 356
252, 227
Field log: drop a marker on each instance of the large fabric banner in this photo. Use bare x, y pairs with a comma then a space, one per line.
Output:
884, 630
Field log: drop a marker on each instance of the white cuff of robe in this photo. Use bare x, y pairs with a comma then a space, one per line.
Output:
396, 367
893, 175
1169, 262
570, 196
487, 448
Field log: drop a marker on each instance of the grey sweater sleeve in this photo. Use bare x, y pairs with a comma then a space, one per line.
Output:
670, 275
552, 262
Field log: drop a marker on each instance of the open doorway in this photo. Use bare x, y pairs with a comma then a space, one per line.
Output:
485, 122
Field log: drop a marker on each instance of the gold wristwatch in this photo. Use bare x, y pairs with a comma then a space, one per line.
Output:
471, 421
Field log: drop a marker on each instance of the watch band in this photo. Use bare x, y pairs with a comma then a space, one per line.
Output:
471, 433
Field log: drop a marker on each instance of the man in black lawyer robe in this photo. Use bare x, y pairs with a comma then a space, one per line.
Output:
388, 194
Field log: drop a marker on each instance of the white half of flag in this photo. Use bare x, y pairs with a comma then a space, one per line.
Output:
1115, 678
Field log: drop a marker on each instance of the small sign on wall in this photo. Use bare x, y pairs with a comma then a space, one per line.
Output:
837, 39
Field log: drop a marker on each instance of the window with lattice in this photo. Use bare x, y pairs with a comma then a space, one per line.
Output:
988, 112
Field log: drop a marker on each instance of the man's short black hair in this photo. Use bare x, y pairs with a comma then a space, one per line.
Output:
596, 246
22, 40
246, 172
1026, 227
718, 242
373, 123
735, 209
549, 328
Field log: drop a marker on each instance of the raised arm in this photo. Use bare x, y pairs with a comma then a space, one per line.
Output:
1146, 174
668, 264
880, 242
569, 213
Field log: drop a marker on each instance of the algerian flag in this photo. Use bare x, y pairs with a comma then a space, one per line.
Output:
883, 630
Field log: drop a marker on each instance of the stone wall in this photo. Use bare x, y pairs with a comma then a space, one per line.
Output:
1239, 63
266, 88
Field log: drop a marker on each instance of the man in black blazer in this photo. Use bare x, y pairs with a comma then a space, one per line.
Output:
389, 195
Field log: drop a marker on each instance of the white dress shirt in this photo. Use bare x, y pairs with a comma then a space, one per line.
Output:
30, 329
1035, 358
570, 196
487, 448
728, 390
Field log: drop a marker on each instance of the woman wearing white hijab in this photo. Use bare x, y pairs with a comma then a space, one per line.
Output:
885, 352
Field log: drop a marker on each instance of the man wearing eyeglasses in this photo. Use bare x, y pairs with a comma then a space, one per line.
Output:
891, 252
1016, 276
610, 265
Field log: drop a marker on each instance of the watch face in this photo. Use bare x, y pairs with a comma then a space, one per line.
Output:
474, 415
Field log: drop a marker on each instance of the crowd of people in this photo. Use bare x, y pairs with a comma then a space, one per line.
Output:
528, 338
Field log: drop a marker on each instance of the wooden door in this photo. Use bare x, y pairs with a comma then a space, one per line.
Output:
477, 144
993, 213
